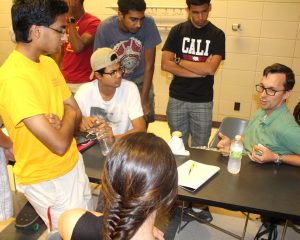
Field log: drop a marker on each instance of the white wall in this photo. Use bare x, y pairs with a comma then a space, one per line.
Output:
270, 32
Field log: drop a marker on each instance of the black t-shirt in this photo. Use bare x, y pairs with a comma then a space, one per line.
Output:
88, 227
194, 44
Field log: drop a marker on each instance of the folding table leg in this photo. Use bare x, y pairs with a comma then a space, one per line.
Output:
245, 227
284, 229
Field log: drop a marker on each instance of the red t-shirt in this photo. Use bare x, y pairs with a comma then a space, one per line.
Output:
76, 68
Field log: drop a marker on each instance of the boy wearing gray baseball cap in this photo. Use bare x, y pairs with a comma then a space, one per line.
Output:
109, 97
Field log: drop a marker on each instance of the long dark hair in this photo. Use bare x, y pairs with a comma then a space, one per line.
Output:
140, 176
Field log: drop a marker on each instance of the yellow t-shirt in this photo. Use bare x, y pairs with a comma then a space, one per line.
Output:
28, 89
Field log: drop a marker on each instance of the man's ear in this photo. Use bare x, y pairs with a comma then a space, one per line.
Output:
120, 16
97, 75
286, 95
34, 32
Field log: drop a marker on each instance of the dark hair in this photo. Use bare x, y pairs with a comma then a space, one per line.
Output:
197, 2
101, 71
280, 68
136, 5
140, 176
26, 13
296, 113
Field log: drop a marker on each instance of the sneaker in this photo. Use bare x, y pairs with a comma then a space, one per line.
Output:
203, 216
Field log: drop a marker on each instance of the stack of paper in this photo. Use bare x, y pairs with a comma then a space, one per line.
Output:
192, 174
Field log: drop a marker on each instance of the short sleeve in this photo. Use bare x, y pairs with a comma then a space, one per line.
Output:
134, 101
170, 44
152, 36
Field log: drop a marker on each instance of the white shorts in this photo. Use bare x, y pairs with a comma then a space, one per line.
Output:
6, 209
63, 193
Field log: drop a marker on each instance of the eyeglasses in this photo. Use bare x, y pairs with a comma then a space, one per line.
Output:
114, 73
61, 32
269, 91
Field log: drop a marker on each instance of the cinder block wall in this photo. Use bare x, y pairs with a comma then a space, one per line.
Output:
269, 32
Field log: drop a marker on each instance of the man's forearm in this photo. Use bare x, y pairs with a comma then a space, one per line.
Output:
5, 141
172, 67
203, 68
77, 43
291, 159
148, 76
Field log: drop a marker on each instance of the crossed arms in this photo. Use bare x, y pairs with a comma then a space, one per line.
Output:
190, 69
56, 134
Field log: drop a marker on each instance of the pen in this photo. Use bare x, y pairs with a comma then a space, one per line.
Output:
192, 167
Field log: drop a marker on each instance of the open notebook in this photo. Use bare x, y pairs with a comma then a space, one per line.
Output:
192, 174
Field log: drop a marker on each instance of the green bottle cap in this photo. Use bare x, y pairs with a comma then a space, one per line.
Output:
177, 134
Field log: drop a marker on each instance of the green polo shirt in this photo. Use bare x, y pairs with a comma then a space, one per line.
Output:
279, 132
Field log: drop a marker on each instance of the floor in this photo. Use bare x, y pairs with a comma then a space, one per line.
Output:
230, 220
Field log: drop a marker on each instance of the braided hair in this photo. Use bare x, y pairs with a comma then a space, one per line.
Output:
140, 176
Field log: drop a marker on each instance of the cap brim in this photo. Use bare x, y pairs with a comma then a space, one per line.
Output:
92, 76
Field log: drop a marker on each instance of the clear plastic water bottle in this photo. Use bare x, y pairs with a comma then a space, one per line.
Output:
176, 143
105, 147
236, 151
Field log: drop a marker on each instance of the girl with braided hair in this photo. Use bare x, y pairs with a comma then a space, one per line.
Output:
139, 179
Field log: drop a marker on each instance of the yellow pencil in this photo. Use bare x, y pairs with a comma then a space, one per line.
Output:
192, 167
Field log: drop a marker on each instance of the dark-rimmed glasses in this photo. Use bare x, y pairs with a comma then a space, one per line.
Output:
269, 91
61, 32
114, 73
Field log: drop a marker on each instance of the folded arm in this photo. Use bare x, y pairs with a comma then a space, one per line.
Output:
138, 125
202, 68
168, 64
79, 43
57, 139
7, 145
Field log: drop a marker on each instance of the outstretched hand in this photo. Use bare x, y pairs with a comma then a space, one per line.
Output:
224, 144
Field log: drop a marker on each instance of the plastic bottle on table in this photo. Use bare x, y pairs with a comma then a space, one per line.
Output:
236, 151
104, 146
176, 143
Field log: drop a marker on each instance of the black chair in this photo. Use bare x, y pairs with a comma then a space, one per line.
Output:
230, 126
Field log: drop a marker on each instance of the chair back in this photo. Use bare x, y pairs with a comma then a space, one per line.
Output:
230, 126
53, 235
297, 113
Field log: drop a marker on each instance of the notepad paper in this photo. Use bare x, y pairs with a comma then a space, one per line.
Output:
192, 174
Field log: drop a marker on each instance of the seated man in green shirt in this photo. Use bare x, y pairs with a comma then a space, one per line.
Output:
272, 134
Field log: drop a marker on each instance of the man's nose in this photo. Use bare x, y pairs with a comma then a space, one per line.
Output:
139, 23
64, 37
264, 93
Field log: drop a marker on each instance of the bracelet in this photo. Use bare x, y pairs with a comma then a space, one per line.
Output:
278, 159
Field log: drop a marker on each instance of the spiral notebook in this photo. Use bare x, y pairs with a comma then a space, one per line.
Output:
192, 174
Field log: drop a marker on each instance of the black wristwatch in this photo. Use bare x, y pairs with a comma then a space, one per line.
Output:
71, 20
177, 60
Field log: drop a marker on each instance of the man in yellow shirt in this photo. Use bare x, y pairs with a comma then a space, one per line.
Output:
41, 114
